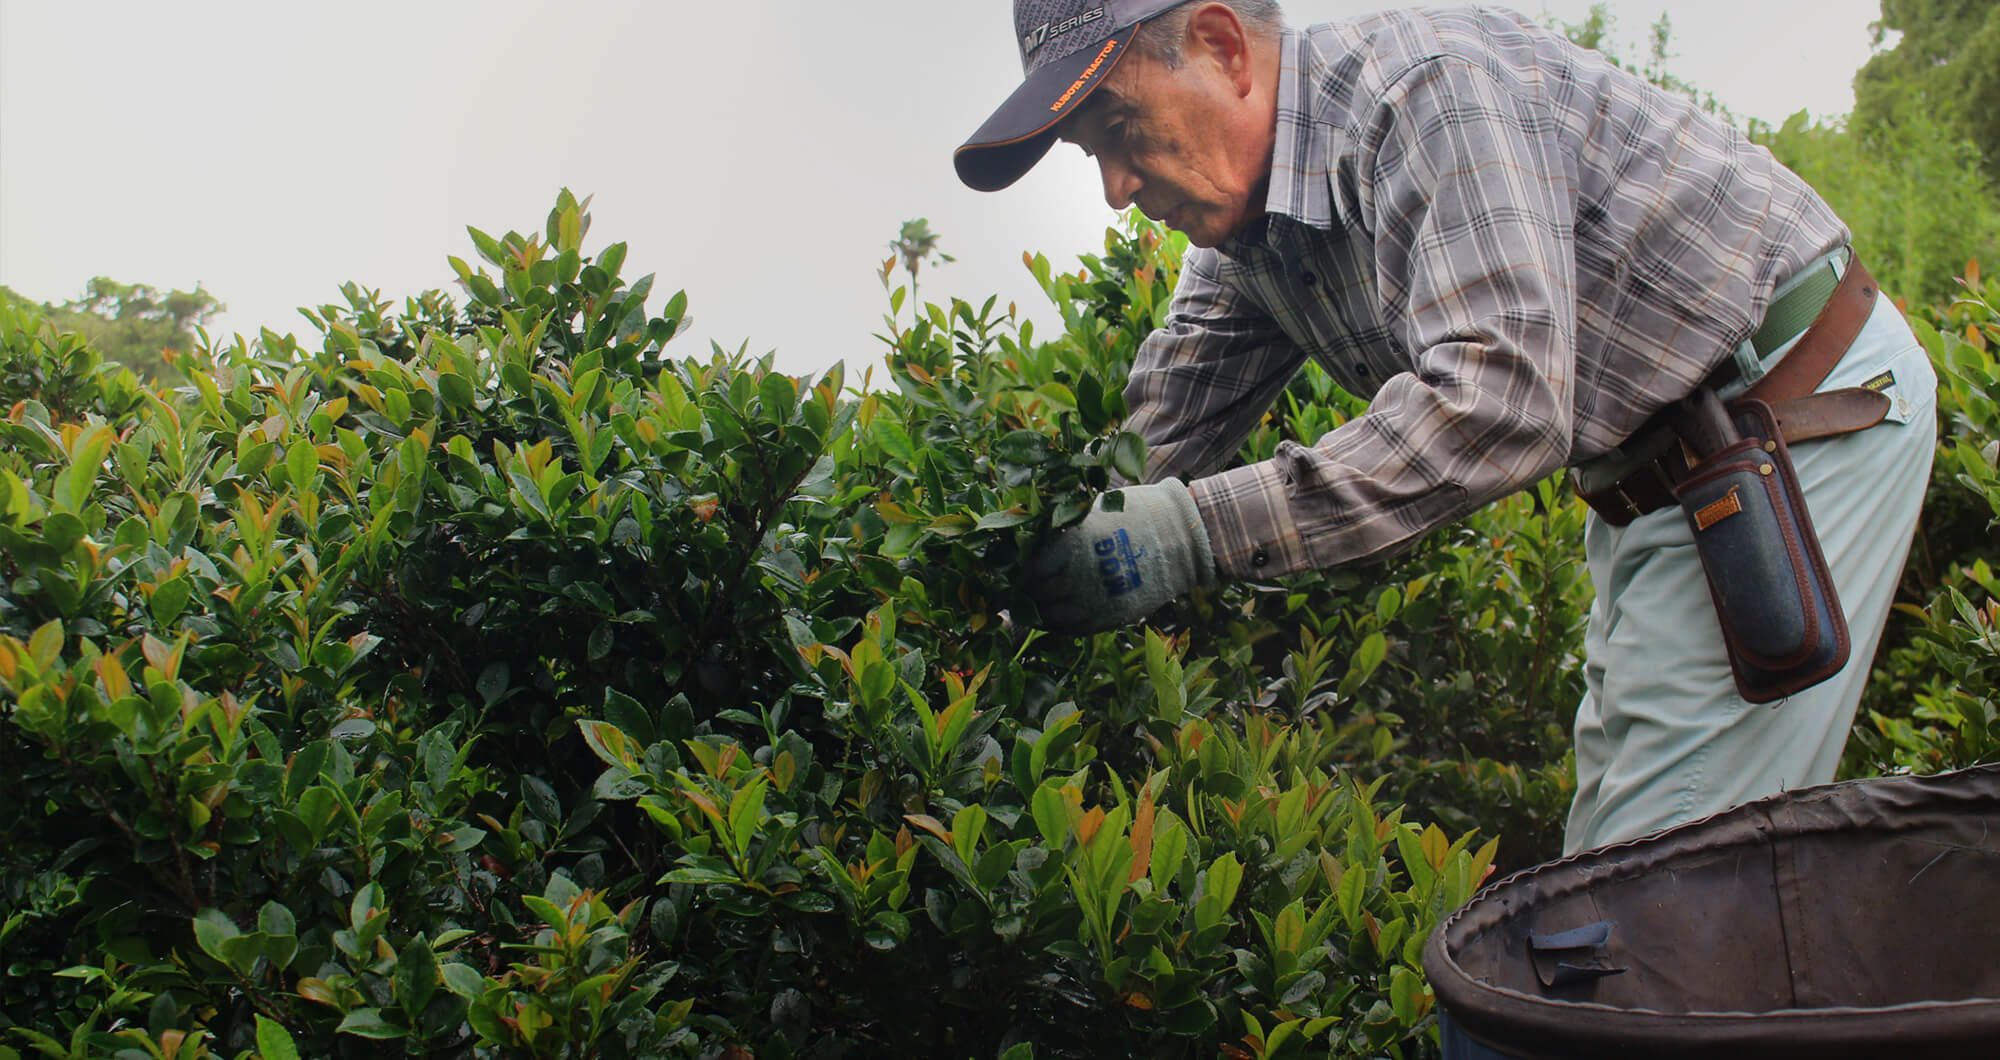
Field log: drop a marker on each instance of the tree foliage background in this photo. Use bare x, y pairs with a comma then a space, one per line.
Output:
1944, 68
130, 324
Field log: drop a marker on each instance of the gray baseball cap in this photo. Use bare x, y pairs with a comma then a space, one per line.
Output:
1068, 48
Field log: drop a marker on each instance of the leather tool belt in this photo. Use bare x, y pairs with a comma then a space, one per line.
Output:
1787, 388
1730, 470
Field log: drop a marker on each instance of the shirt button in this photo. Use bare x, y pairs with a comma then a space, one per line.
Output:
1309, 279
1361, 369
1260, 558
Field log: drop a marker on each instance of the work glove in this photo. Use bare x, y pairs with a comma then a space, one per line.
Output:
1117, 567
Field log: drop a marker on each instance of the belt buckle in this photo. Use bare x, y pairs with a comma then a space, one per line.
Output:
1631, 506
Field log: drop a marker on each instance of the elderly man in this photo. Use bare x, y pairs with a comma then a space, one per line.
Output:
1525, 259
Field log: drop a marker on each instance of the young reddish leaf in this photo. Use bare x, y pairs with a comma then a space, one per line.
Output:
1086, 828
1142, 835
929, 824
706, 805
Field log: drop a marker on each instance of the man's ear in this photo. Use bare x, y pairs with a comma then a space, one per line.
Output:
1215, 33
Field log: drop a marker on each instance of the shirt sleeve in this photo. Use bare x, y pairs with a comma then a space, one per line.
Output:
1200, 384
1465, 194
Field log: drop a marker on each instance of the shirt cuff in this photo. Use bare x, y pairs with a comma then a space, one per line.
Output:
1249, 521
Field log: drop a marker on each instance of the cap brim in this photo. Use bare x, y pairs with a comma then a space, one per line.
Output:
1021, 131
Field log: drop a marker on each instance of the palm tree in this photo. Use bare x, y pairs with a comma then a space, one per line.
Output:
915, 244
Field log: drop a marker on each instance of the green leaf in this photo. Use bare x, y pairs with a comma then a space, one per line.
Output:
894, 440
967, 826
1306, 986
302, 465
277, 921
609, 743
625, 712
889, 930
438, 759
1404, 995
1388, 604
1051, 818
368, 1023
1089, 403
366, 906
1167, 676
779, 394
492, 682
746, 812
316, 809
1025, 447
46, 642
463, 980
352, 729
169, 600
612, 258
1410, 845
61, 532
417, 976
541, 800
1128, 455
1353, 888
455, 389
569, 229
1170, 844
1225, 874
461, 839
707, 871
489, 248
1369, 656
274, 1042
548, 912
1000, 520
213, 928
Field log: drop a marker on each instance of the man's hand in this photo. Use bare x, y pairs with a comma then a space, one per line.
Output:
1117, 567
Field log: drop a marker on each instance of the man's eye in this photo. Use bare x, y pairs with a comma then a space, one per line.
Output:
1114, 134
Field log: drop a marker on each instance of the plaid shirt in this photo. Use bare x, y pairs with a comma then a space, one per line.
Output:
1515, 251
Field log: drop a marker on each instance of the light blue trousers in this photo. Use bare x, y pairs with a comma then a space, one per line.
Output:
1662, 738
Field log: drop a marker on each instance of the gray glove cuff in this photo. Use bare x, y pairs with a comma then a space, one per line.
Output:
1192, 556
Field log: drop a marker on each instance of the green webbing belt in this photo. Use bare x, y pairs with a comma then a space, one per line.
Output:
1795, 311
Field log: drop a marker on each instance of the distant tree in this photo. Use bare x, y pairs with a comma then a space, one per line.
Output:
1909, 183
914, 245
1595, 32
1946, 66
131, 323
1913, 193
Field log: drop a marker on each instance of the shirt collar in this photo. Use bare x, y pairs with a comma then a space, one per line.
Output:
1299, 196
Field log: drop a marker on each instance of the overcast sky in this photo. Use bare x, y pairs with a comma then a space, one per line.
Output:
759, 153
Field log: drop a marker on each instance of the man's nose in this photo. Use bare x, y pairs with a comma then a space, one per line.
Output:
1121, 183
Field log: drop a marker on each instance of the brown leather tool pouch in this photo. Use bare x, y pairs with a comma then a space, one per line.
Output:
1781, 618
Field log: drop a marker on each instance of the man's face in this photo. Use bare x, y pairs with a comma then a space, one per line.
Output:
1180, 143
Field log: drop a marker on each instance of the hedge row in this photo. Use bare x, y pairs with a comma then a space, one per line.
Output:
479, 679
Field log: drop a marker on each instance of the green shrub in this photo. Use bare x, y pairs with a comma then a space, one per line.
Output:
478, 679
1934, 703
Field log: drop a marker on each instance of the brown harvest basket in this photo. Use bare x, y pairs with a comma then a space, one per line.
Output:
1853, 920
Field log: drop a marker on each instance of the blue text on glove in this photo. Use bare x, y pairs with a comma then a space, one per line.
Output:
1118, 563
